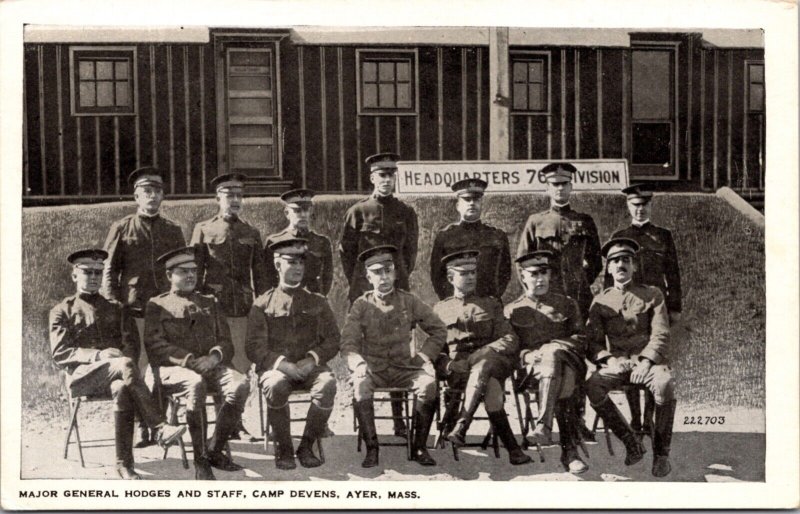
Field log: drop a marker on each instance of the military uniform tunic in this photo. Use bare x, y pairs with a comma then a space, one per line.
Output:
657, 261
376, 221
318, 275
230, 263
494, 259
132, 275
573, 237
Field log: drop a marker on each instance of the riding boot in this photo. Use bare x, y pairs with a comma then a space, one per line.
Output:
579, 406
227, 419
548, 396
316, 420
202, 468
281, 432
502, 428
636, 409
123, 442
566, 418
398, 416
423, 417
612, 418
472, 399
365, 411
665, 416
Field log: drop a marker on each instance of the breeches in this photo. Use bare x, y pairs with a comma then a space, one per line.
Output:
550, 362
277, 387
238, 327
487, 375
106, 377
423, 384
658, 380
232, 386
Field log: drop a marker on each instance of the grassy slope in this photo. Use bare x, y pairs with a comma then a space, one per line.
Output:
719, 362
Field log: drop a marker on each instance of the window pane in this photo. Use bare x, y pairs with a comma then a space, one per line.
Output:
254, 83
520, 97
251, 106
535, 71
651, 84
535, 97
121, 70
249, 58
105, 70
404, 96
370, 92
386, 98
123, 99
757, 73
756, 97
369, 72
651, 143
520, 72
87, 98
403, 72
386, 71
105, 94
251, 156
251, 131
86, 70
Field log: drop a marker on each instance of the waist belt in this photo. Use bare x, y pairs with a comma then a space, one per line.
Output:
466, 346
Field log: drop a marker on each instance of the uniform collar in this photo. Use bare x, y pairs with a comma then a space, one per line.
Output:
465, 297
470, 224
381, 198
297, 232
640, 225
560, 208
383, 297
88, 297
182, 294
230, 220
623, 287
147, 217
290, 290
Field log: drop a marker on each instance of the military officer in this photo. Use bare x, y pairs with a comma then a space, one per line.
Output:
551, 335
187, 338
376, 344
572, 237
299, 209
291, 334
482, 351
494, 260
628, 335
132, 275
94, 340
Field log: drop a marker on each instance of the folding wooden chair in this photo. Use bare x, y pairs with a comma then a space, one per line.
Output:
297, 397
409, 402
75, 403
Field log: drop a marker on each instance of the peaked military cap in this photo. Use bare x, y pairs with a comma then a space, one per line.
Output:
228, 181
296, 197
383, 161
289, 246
91, 258
619, 246
177, 257
470, 187
558, 172
538, 259
145, 176
377, 255
634, 191
461, 260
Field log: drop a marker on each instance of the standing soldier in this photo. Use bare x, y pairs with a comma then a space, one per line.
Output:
94, 340
494, 260
572, 237
187, 337
132, 275
230, 263
299, 209
380, 219
376, 344
628, 334
482, 351
656, 265
550, 330
291, 335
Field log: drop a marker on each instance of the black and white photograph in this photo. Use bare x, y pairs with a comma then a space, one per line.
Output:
379, 254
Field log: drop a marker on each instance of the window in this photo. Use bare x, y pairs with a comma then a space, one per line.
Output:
529, 77
103, 80
755, 90
387, 82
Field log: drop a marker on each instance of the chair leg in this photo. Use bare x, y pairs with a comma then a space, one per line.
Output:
519, 414
412, 433
78, 433
357, 428
265, 428
73, 413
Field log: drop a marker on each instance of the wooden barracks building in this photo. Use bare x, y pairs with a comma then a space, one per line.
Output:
302, 107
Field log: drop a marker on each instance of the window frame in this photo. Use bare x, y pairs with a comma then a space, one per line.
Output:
529, 56
76, 53
412, 55
748, 63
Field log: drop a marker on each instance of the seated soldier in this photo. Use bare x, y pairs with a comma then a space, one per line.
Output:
291, 334
187, 336
550, 331
633, 320
95, 341
483, 348
376, 344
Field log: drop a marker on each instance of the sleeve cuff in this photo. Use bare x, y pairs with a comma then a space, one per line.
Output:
186, 359
652, 355
278, 362
602, 355
314, 355
218, 351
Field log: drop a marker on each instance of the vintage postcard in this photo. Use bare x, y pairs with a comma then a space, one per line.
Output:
351, 255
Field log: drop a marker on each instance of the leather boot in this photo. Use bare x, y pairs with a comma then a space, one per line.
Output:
282, 435
365, 411
316, 420
202, 468
499, 421
612, 418
398, 421
423, 417
579, 399
548, 396
123, 442
665, 416
472, 400
227, 419
636, 409
566, 418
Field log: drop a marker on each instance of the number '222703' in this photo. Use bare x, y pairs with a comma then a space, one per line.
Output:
704, 420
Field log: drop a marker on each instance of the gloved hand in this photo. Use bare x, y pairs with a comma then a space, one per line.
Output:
361, 370
291, 370
109, 353
306, 366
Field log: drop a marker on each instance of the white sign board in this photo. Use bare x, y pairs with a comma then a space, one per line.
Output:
436, 177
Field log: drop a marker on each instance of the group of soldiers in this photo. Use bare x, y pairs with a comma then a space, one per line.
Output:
206, 313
